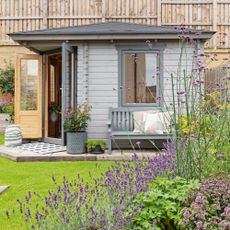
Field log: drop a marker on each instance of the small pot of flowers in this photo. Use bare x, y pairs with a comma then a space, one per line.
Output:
96, 146
54, 111
75, 124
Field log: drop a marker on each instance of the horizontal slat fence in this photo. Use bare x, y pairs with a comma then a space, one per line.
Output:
25, 15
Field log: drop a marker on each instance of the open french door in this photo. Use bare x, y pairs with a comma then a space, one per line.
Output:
28, 91
60, 91
68, 80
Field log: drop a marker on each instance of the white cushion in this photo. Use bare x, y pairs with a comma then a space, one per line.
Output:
158, 123
139, 118
139, 121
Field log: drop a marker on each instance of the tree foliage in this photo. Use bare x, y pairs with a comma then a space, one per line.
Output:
7, 79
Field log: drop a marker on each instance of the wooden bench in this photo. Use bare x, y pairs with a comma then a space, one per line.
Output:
121, 125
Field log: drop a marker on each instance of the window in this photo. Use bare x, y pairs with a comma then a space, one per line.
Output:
140, 78
29, 83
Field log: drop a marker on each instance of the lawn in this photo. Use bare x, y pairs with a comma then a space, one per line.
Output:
35, 177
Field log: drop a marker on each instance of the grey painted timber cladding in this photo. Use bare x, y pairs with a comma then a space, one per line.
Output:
102, 85
102, 66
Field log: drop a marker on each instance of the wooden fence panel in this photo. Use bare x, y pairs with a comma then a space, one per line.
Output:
214, 77
134, 11
25, 15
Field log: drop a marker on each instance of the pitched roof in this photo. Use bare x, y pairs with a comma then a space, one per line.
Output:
102, 31
109, 28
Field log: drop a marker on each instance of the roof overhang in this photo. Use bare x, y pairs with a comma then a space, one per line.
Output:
63, 37
104, 32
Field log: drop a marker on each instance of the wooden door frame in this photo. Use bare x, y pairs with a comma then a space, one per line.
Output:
38, 111
46, 138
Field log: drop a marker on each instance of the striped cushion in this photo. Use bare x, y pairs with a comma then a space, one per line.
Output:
13, 135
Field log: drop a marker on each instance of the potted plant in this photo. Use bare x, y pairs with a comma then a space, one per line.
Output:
96, 146
53, 110
75, 124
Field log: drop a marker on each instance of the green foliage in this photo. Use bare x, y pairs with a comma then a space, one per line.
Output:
162, 205
2, 108
202, 127
77, 121
7, 79
91, 144
1, 138
9, 109
53, 107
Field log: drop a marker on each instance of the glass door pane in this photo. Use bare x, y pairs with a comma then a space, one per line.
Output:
28, 83
54, 96
28, 94
68, 80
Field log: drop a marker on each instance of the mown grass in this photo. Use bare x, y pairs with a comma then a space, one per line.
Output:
36, 177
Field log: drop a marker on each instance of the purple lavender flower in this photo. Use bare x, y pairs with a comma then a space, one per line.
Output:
226, 78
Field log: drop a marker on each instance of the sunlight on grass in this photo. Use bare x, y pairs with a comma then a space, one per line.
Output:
1, 138
36, 177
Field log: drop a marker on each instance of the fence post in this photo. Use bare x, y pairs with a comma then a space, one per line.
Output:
214, 21
44, 14
103, 10
159, 12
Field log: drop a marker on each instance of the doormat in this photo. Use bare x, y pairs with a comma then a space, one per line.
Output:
42, 148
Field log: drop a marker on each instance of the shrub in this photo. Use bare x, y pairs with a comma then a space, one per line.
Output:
77, 121
209, 207
7, 79
9, 109
162, 204
91, 144
101, 205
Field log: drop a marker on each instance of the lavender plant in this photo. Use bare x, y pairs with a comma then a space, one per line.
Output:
99, 205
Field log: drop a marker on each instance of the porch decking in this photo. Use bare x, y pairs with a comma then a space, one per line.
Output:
28, 156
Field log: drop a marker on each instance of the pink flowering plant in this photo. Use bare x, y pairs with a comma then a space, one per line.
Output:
209, 207
77, 120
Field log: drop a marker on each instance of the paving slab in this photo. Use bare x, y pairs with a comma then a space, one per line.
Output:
3, 188
28, 156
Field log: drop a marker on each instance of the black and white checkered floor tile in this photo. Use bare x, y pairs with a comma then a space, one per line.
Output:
42, 148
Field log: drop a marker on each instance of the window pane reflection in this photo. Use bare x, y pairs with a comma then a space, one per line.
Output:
29, 82
140, 77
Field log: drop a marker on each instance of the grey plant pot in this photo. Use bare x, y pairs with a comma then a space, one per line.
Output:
76, 142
